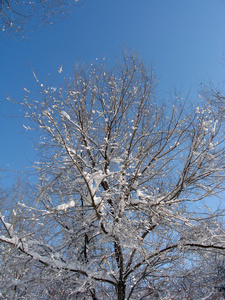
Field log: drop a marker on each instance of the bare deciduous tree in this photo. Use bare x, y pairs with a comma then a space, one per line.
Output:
15, 14
121, 177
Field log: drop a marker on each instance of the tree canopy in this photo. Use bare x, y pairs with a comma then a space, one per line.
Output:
117, 211
15, 14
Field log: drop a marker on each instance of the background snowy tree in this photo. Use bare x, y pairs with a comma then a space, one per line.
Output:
117, 212
15, 14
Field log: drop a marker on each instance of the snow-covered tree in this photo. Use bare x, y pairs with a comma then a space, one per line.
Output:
15, 14
117, 212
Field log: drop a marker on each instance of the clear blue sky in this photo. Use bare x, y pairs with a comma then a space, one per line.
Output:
185, 41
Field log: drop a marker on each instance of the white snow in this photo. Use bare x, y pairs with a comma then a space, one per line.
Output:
140, 194
72, 152
94, 180
65, 114
60, 69
134, 201
65, 206
97, 200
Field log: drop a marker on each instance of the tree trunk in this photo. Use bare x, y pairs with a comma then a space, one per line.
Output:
121, 290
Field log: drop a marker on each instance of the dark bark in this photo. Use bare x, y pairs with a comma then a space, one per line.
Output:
121, 290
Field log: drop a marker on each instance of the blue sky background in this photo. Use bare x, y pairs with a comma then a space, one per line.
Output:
184, 40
